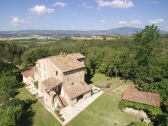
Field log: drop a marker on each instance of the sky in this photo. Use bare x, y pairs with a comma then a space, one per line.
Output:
81, 14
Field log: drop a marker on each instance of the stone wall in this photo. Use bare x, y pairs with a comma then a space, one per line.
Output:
75, 75
28, 80
46, 70
87, 95
140, 114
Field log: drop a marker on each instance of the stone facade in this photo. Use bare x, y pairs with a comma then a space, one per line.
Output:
61, 80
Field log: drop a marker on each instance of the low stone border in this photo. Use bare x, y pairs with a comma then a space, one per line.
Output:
140, 114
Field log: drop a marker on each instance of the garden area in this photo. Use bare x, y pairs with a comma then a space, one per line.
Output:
41, 116
105, 110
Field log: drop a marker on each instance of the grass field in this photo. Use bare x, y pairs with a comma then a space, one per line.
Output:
99, 77
41, 117
105, 111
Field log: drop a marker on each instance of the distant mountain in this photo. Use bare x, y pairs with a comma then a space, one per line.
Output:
120, 31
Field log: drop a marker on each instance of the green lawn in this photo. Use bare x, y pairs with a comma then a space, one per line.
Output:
41, 117
99, 77
103, 112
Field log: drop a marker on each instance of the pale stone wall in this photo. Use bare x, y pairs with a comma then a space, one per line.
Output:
28, 80
66, 97
87, 95
36, 77
46, 70
62, 91
42, 66
73, 102
48, 99
24, 80
140, 114
75, 75
51, 71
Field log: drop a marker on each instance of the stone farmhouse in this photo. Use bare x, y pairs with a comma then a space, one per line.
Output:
60, 80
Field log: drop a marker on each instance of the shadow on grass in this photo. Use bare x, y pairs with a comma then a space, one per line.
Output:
27, 118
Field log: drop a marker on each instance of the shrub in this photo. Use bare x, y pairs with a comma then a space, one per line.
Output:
140, 124
152, 111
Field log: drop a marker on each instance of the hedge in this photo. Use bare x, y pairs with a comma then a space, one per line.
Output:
152, 111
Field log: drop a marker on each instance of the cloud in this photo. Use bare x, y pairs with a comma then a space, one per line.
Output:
41, 9
16, 21
115, 3
157, 21
123, 22
135, 22
102, 20
60, 4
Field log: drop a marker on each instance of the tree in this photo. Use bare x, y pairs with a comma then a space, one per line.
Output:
145, 44
9, 69
8, 88
16, 112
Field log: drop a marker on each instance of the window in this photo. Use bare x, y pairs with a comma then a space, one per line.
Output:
56, 73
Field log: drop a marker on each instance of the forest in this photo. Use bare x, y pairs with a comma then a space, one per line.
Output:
142, 58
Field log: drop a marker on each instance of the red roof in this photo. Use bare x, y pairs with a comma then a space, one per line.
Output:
51, 83
76, 89
142, 97
29, 72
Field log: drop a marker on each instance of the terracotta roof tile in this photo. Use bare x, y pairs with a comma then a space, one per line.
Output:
51, 83
142, 97
29, 72
77, 55
76, 89
66, 62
